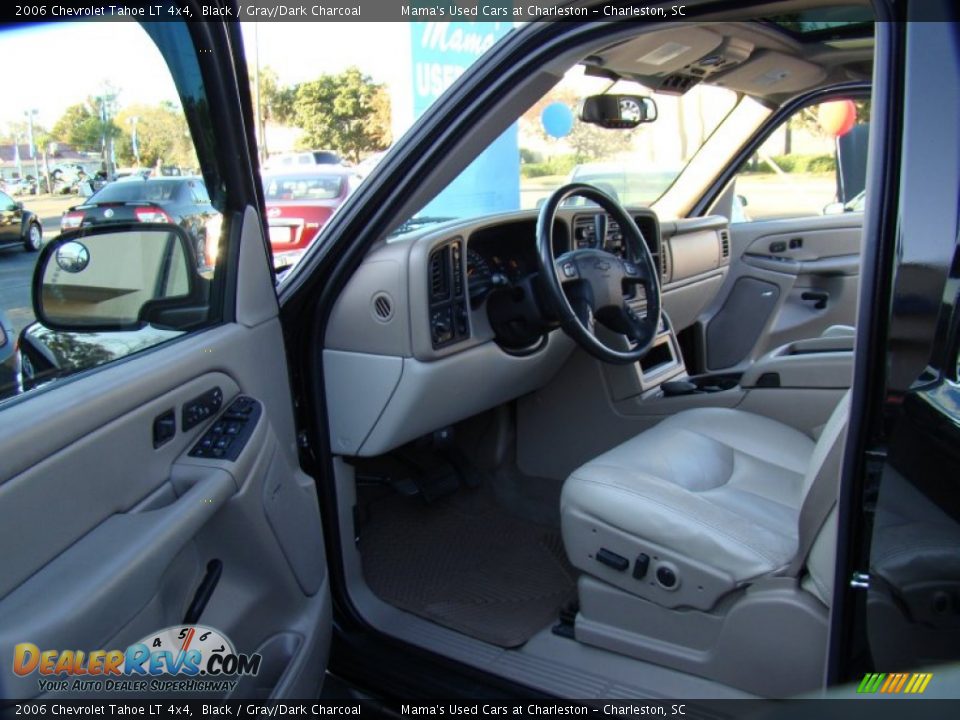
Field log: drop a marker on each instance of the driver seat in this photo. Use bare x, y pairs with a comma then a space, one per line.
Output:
711, 532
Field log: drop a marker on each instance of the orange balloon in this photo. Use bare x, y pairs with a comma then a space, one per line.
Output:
837, 117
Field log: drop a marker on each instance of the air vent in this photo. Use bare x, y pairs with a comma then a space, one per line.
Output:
439, 274
382, 307
724, 244
664, 264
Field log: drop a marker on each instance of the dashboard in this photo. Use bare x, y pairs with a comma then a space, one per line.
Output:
444, 322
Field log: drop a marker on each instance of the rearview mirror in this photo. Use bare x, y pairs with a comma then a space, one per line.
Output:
116, 277
618, 112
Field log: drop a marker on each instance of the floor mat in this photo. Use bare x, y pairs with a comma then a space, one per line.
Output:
466, 564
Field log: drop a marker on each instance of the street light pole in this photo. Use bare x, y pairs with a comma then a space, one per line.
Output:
259, 128
33, 152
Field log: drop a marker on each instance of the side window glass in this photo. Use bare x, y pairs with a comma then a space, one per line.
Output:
813, 164
110, 151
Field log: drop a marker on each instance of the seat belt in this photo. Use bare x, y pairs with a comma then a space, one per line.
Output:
822, 494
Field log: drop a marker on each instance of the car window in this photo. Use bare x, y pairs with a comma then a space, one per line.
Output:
304, 187
110, 121
137, 191
812, 164
6, 201
321, 98
199, 192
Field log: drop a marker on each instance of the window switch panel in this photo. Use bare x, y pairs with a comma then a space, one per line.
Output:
201, 408
226, 438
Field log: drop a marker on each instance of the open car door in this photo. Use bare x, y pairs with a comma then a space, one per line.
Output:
154, 520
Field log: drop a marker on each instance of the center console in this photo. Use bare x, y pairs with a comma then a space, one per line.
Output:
798, 383
662, 363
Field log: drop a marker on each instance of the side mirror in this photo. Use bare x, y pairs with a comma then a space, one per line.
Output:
618, 112
18, 205
114, 277
834, 208
743, 200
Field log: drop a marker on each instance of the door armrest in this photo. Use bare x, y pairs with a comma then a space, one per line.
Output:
824, 362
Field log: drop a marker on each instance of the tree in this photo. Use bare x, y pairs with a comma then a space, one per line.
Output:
20, 129
82, 126
590, 142
162, 134
276, 100
345, 112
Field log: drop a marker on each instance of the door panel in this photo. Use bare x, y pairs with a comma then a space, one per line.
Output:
107, 538
803, 277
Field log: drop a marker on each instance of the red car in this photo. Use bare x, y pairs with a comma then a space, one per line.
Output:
300, 202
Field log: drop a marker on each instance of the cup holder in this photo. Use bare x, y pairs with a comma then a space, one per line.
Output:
716, 383
700, 385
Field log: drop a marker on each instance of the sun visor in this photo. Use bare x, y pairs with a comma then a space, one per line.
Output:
661, 53
770, 73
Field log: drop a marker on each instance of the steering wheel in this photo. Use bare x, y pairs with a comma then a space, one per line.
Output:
591, 285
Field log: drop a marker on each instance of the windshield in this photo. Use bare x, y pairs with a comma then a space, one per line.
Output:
549, 147
303, 187
137, 191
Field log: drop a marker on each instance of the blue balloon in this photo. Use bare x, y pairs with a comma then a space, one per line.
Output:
557, 120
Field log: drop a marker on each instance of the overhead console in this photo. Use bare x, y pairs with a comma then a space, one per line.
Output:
728, 55
672, 61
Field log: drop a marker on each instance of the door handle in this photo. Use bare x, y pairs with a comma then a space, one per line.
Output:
819, 298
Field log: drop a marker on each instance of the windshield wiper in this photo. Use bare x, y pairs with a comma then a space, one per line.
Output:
415, 223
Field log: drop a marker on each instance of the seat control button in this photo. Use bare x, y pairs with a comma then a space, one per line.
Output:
666, 576
611, 559
640, 566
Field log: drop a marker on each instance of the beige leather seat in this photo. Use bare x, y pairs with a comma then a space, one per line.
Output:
705, 502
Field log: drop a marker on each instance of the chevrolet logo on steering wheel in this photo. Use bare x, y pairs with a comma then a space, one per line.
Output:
602, 265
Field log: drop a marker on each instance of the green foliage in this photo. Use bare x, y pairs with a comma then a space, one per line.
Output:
556, 165
529, 156
346, 112
276, 100
792, 163
162, 134
82, 126
795, 163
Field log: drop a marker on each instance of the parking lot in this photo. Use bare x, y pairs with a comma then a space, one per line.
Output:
16, 266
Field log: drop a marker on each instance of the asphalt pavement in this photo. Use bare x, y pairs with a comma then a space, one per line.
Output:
16, 266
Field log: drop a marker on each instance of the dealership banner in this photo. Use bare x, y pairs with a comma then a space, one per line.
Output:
440, 53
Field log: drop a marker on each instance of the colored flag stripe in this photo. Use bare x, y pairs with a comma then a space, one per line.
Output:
926, 681
900, 683
912, 684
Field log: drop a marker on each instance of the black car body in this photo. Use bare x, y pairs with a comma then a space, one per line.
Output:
180, 200
18, 225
